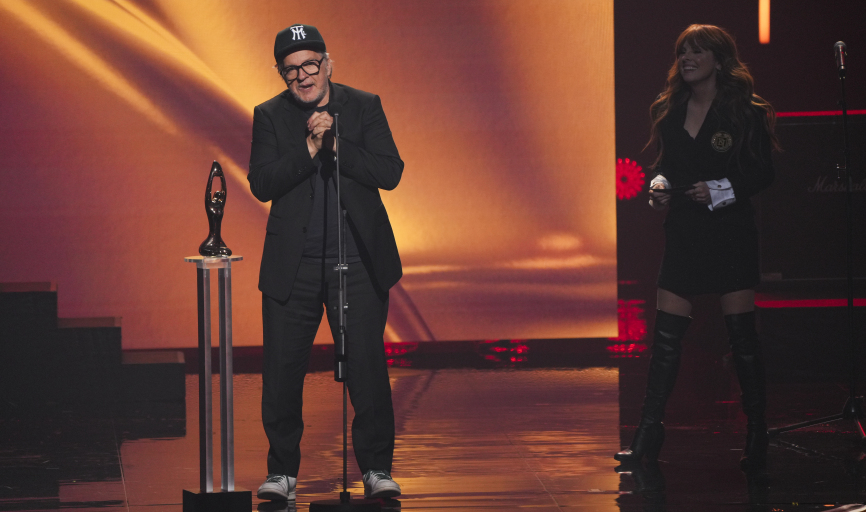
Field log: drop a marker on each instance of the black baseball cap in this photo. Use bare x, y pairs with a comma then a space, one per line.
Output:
298, 37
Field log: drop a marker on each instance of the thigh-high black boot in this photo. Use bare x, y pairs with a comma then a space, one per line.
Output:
746, 351
664, 365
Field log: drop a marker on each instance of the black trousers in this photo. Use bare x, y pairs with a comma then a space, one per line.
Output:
289, 330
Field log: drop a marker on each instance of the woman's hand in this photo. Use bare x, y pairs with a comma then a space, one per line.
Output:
659, 200
700, 194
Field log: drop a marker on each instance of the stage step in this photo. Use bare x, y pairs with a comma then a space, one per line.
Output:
76, 366
154, 376
46, 359
27, 307
91, 352
28, 339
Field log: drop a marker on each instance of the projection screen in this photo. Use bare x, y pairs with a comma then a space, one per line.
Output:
502, 110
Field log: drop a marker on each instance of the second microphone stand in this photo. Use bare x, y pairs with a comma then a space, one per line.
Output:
854, 408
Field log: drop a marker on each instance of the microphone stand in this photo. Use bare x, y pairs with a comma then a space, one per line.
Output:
854, 407
341, 360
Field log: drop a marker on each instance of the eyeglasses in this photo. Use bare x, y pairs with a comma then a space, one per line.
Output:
311, 68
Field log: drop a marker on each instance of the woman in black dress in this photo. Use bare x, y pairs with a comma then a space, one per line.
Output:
714, 137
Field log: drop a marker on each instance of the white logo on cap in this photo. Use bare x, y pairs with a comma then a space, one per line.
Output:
298, 33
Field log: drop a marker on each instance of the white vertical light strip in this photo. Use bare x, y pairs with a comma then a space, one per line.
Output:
764, 21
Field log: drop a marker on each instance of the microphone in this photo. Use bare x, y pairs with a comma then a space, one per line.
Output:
841, 53
335, 109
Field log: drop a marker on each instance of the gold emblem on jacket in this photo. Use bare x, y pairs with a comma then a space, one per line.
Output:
722, 141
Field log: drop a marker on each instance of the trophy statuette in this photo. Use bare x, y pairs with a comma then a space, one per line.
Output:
214, 205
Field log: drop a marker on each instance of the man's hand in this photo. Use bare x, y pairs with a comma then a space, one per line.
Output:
318, 127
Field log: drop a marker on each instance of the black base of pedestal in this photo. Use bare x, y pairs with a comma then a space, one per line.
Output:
239, 500
346, 506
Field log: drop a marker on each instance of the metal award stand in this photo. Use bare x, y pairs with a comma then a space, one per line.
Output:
345, 503
229, 498
853, 409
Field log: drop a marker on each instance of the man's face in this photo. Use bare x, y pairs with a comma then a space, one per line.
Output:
311, 90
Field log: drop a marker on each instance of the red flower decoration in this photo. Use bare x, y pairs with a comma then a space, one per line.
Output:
629, 178
632, 324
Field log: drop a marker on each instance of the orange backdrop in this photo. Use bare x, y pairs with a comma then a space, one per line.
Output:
503, 112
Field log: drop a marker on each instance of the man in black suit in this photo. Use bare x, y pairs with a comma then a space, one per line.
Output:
292, 164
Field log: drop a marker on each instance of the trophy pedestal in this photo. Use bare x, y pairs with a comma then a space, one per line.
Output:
228, 499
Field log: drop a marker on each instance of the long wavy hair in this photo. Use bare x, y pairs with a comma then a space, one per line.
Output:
735, 97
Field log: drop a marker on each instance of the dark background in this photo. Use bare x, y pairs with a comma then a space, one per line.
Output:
796, 71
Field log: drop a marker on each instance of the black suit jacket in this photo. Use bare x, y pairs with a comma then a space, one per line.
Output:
282, 171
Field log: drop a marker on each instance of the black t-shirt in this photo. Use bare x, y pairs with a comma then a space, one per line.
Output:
322, 242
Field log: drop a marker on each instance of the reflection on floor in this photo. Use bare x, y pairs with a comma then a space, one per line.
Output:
501, 438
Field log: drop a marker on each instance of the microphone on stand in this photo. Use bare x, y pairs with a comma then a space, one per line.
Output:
335, 109
341, 370
841, 50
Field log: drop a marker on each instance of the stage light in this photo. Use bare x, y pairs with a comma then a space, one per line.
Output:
632, 324
626, 349
629, 178
513, 351
764, 21
399, 349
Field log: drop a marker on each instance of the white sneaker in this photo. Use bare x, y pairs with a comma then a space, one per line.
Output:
278, 488
379, 484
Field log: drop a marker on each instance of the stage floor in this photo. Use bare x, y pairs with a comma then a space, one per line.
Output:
501, 439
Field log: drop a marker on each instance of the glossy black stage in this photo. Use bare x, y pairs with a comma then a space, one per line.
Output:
507, 425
